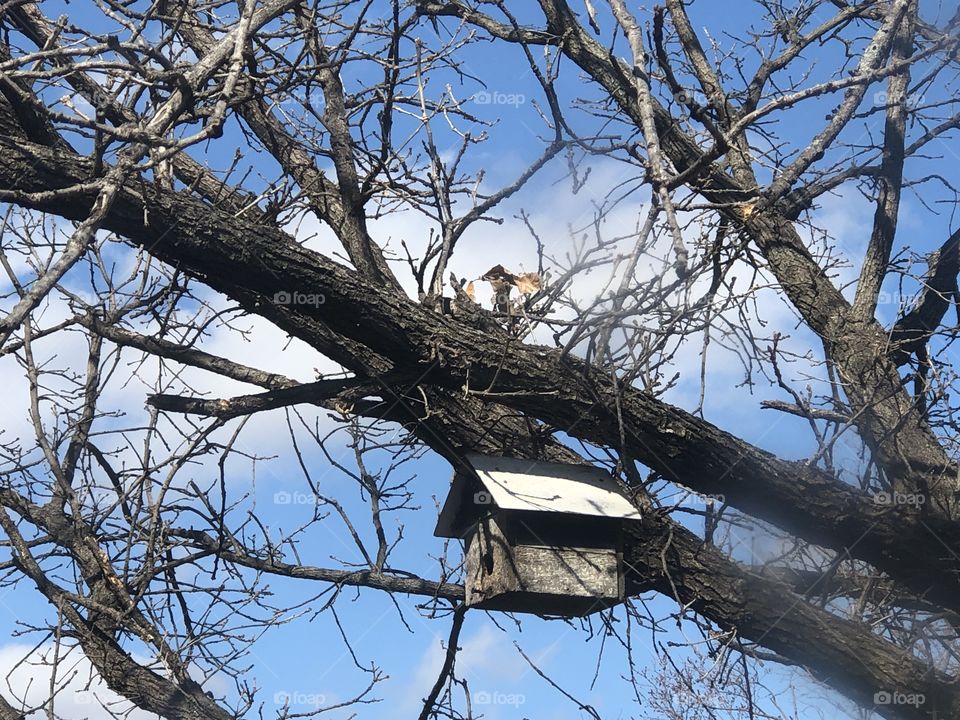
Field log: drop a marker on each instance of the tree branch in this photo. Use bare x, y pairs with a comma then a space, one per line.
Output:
359, 321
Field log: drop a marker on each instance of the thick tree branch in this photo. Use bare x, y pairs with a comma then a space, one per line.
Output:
315, 393
886, 415
28, 19
761, 609
185, 355
911, 333
339, 205
359, 322
877, 259
180, 699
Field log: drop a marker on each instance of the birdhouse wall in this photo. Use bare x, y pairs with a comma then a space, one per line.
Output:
546, 580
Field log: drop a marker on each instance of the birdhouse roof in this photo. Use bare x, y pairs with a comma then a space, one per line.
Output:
525, 485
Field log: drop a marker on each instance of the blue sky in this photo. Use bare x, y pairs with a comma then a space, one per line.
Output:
304, 659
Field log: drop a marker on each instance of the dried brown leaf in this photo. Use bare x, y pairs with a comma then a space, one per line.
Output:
527, 283
498, 272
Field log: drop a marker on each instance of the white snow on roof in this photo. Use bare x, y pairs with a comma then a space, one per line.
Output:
538, 486
552, 487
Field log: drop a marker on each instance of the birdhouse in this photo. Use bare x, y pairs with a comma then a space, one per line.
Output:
541, 538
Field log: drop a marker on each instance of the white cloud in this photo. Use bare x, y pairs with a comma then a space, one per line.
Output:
495, 672
25, 677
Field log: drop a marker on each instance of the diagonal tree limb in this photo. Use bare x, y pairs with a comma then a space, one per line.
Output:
76, 248
230, 255
387, 581
655, 159
338, 205
186, 355
911, 333
28, 19
177, 700
871, 61
322, 392
887, 418
877, 258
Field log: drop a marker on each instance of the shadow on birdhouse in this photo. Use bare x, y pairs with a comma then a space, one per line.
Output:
542, 538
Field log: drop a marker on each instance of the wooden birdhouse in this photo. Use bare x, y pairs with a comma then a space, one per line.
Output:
541, 538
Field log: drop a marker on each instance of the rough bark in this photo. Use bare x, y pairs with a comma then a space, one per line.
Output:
884, 414
460, 382
375, 331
